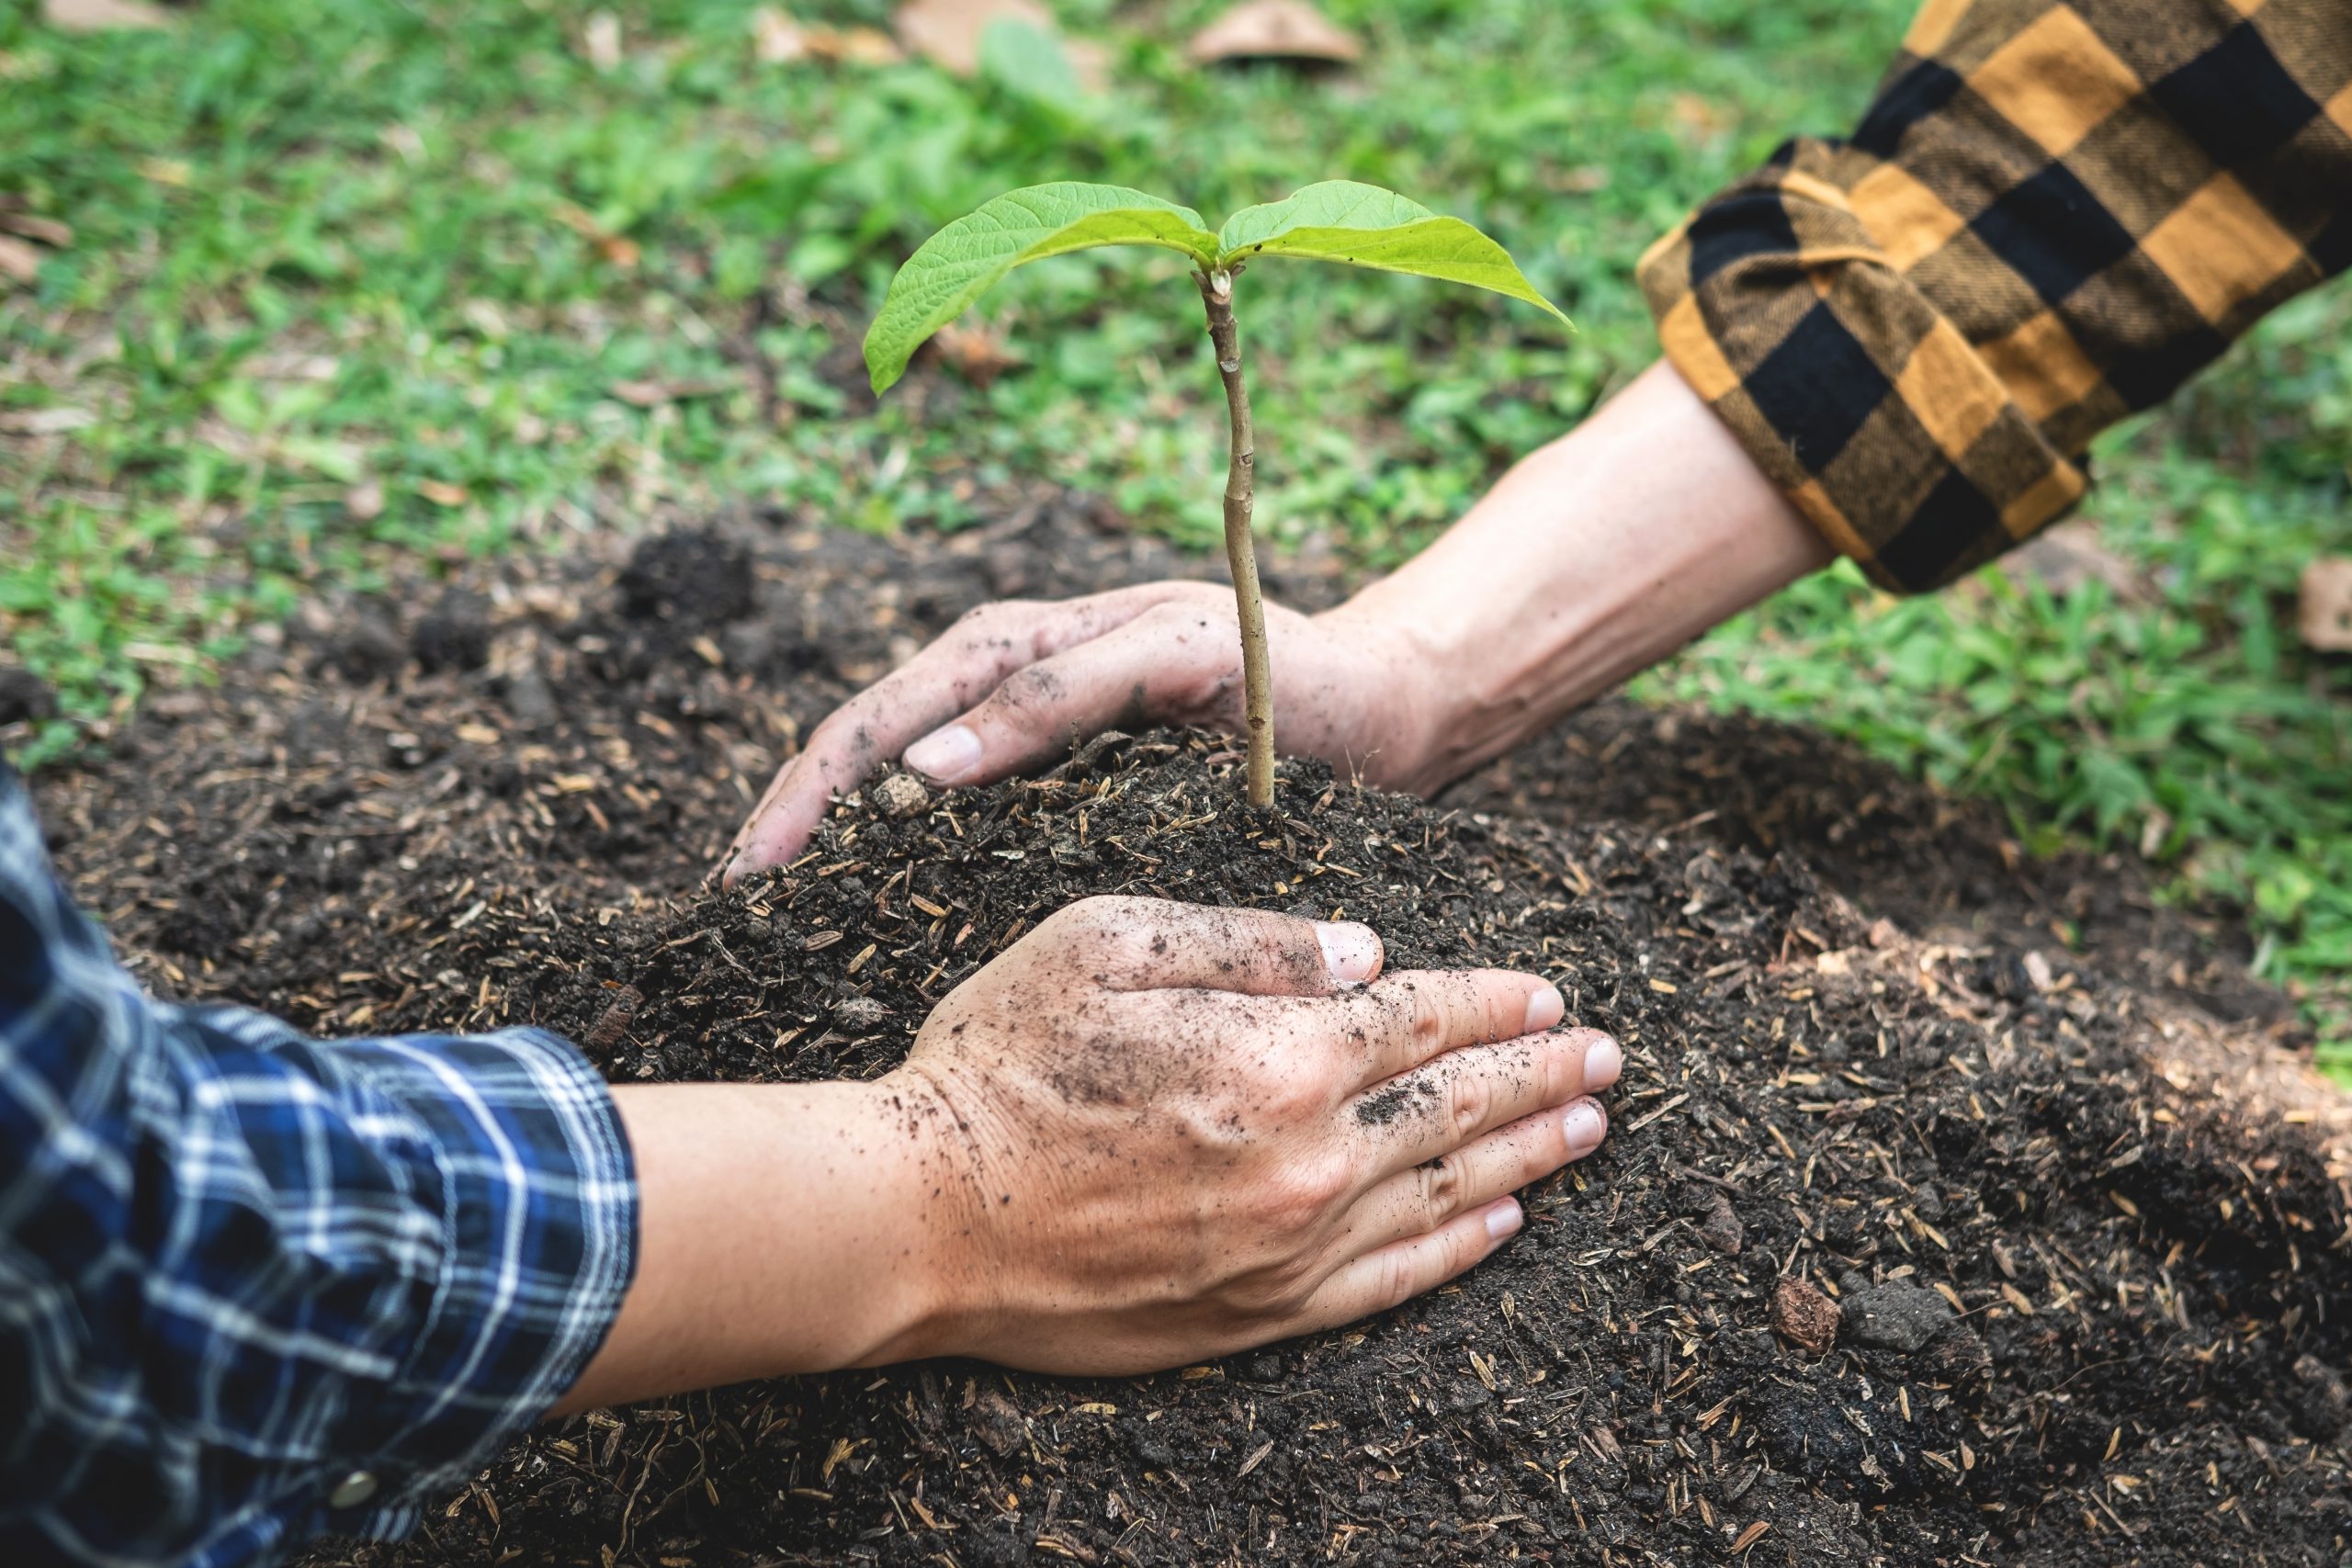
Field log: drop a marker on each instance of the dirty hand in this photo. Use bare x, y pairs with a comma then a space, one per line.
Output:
1148, 1133
1166, 1132
1012, 685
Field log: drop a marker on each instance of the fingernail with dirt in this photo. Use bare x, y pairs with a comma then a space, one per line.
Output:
1544, 1008
1504, 1219
1351, 952
1603, 1060
946, 756
1585, 1125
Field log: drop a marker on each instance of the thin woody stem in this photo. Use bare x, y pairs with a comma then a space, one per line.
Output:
1240, 551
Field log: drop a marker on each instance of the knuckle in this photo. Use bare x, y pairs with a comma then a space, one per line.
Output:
1429, 1023
1287, 950
1441, 1183
1307, 1191
1470, 1099
1562, 1074
1395, 1282
1293, 1098
1029, 687
1503, 1010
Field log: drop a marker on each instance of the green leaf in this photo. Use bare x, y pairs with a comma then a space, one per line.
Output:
1362, 225
1334, 204
966, 259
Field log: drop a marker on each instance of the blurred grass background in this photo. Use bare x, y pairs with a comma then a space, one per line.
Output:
357, 286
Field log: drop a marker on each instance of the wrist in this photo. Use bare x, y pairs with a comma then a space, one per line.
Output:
1404, 683
938, 1286
1594, 557
780, 1229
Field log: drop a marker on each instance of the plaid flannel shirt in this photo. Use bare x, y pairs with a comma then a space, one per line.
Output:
255, 1288
2052, 216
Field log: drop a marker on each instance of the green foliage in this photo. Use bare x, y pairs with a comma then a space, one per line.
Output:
1339, 220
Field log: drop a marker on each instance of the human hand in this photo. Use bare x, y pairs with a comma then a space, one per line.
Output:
1011, 685
1146, 1133
1157, 1132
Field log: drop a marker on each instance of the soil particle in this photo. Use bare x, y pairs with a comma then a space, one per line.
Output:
692, 576
1805, 1315
1957, 1358
997, 1422
529, 699
1898, 1315
369, 648
900, 794
455, 634
25, 697
860, 1015
1719, 1224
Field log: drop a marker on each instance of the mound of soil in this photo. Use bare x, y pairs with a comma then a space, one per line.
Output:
1918, 1239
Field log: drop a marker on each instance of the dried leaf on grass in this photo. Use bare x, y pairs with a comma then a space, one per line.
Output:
1700, 117
104, 15
852, 45
948, 32
646, 394
780, 39
600, 41
2327, 604
46, 421
19, 262
1275, 29
48, 230
617, 249
777, 39
977, 352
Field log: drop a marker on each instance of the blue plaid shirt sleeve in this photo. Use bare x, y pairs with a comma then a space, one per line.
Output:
254, 1287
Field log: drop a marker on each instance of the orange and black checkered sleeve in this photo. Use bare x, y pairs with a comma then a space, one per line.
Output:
2052, 216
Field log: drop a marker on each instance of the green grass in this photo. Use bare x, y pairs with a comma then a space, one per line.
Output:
326, 247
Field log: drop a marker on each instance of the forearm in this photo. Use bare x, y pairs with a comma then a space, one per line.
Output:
1594, 557
782, 1228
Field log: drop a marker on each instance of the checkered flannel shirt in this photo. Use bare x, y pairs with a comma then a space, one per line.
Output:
2052, 216
255, 1288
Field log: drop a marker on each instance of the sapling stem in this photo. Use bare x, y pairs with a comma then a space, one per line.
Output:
1240, 547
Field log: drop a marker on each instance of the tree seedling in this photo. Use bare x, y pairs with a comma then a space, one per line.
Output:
1339, 220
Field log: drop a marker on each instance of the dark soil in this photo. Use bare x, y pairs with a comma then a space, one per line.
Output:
2067, 1305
